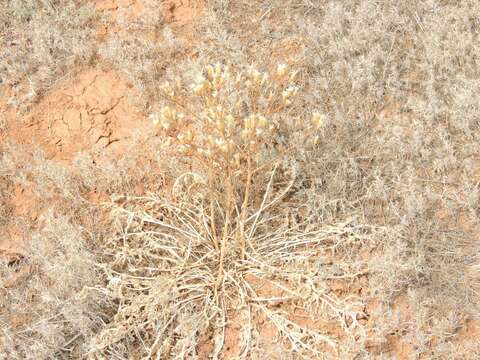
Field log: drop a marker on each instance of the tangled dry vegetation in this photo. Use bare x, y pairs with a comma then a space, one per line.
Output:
41, 42
320, 203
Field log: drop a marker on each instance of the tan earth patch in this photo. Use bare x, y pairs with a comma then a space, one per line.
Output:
287, 51
89, 113
21, 275
181, 15
127, 10
467, 336
6, 111
19, 208
23, 203
271, 342
130, 9
12, 244
23, 207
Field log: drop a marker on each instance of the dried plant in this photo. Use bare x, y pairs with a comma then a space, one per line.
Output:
225, 128
184, 262
42, 42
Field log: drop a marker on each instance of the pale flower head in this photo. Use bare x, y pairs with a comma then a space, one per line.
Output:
199, 84
262, 122
167, 88
155, 119
282, 69
318, 120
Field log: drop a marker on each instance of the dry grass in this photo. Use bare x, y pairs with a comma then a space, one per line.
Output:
142, 50
41, 42
59, 310
380, 193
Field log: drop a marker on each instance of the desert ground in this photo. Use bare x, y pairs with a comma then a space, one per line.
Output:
239, 179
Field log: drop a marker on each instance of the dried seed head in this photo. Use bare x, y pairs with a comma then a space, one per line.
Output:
318, 120
215, 73
198, 88
257, 76
204, 152
282, 70
186, 137
223, 131
210, 72
211, 140
262, 122
180, 117
178, 82
248, 122
219, 142
211, 113
167, 89
293, 75
230, 121
220, 124
164, 119
254, 74
218, 69
289, 92
236, 159
265, 78
270, 97
166, 112
155, 119
238, 79
165, 124
183, 149
200, 85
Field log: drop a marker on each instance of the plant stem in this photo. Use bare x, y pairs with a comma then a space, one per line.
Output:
244, 207
226, 225
212, 210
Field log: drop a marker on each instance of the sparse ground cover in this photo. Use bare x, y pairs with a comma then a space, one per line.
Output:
239, 179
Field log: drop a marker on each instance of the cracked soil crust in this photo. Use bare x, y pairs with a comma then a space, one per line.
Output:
90, 112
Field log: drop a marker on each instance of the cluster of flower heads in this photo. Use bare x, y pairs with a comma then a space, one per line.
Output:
228, 117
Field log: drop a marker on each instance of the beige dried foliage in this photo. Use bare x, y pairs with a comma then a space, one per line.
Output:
48, 308
142, 50
41, 42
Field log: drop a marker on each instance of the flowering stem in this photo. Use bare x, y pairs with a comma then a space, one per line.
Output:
244, 207
212, 210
